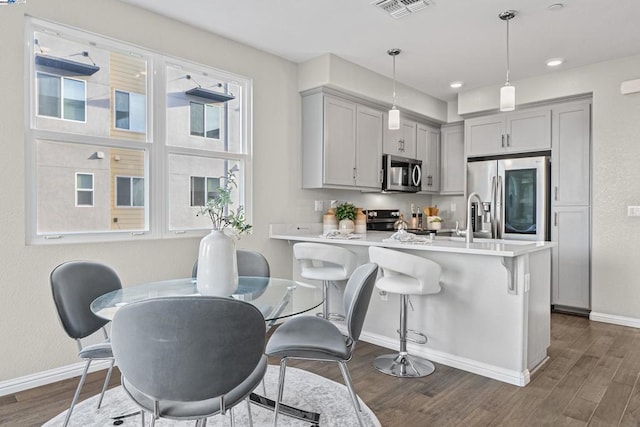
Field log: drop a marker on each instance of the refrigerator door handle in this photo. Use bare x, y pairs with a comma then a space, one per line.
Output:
501, 201
494, 207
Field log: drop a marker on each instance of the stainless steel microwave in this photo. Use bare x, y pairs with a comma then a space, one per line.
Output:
401, 174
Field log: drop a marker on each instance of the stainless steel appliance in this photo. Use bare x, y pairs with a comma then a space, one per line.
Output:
401, 174
515, 196
381, 219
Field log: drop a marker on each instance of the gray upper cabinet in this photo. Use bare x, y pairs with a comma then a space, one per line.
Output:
401, 142
369, 123
341, 143
570, 155
428, 150
518, 132
452, 166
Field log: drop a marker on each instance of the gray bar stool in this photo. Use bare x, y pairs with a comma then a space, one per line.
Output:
405, 274
327, 263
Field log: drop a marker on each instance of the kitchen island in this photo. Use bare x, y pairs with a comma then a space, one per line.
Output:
492, 316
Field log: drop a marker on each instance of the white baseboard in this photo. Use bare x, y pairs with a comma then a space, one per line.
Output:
505, 375
47, 377
614, 319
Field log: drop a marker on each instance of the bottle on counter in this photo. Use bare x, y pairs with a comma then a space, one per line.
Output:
361, 222
414, 221
420, 225
329, 221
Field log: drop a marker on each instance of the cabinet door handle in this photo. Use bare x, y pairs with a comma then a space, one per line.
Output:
508, 140
429, 181
555, 219
354, 174
556, 193
502, 140
380, 175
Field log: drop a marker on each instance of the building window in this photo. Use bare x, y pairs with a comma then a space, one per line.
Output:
84, 189
205, 120
61, 97
130, 111
129, 191
202, 189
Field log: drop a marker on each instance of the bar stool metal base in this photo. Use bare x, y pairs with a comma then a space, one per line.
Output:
404, 366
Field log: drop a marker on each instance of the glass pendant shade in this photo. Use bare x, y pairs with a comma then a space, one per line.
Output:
507, 98
394, 118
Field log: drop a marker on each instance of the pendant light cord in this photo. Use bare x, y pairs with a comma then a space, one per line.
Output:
508, 50
394, 81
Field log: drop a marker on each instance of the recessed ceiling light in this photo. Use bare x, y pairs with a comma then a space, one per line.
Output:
456, 85
556, 6
554, 62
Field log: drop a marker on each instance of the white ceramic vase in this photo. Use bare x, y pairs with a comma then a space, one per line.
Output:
217, 265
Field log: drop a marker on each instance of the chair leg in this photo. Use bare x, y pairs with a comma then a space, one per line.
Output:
283, 367
231, 418
352, 392
106, 382
75, 396
249, 411
142, 417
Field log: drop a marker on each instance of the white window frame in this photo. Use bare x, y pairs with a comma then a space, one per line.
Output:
154, 146
130, 205
62, 82
86, 190
204, 120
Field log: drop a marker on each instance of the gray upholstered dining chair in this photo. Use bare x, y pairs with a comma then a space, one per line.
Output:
315, 338
250, 263
189, 358
75, 285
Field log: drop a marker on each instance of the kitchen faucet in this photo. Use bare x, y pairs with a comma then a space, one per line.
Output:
469, 236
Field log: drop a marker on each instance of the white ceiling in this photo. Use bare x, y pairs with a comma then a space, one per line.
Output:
449, 40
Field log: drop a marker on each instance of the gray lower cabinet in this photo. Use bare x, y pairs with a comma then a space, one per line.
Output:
428, 150
570, 266
452, 164
341, 143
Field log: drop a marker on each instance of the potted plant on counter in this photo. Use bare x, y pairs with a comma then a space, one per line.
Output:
217, 262
346, 215
434, 222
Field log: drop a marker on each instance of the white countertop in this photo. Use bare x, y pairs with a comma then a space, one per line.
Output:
492, 247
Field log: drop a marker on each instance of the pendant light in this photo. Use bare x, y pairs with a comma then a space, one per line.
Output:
394, 113
507, 92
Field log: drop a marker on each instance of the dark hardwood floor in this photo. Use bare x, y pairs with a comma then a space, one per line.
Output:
590, 379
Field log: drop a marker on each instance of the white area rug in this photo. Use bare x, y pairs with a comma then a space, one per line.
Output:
302, 389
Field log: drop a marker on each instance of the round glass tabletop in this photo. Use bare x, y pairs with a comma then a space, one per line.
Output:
275, 298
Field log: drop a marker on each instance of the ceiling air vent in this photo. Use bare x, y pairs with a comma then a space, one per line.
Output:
400, 8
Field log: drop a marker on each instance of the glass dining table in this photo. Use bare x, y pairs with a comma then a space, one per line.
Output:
275, 298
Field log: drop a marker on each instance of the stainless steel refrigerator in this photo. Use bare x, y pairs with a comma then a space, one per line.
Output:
515, 197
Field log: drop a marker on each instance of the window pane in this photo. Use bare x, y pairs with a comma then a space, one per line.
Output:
122, 110
138, 112
212, 186
187, 171
49, 88
85, 198
213, 121
197, 191
56, 197
123, 191
197, 119
138, 191
74, 99
84, 181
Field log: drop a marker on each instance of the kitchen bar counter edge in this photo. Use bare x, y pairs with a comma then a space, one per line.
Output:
503, 248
